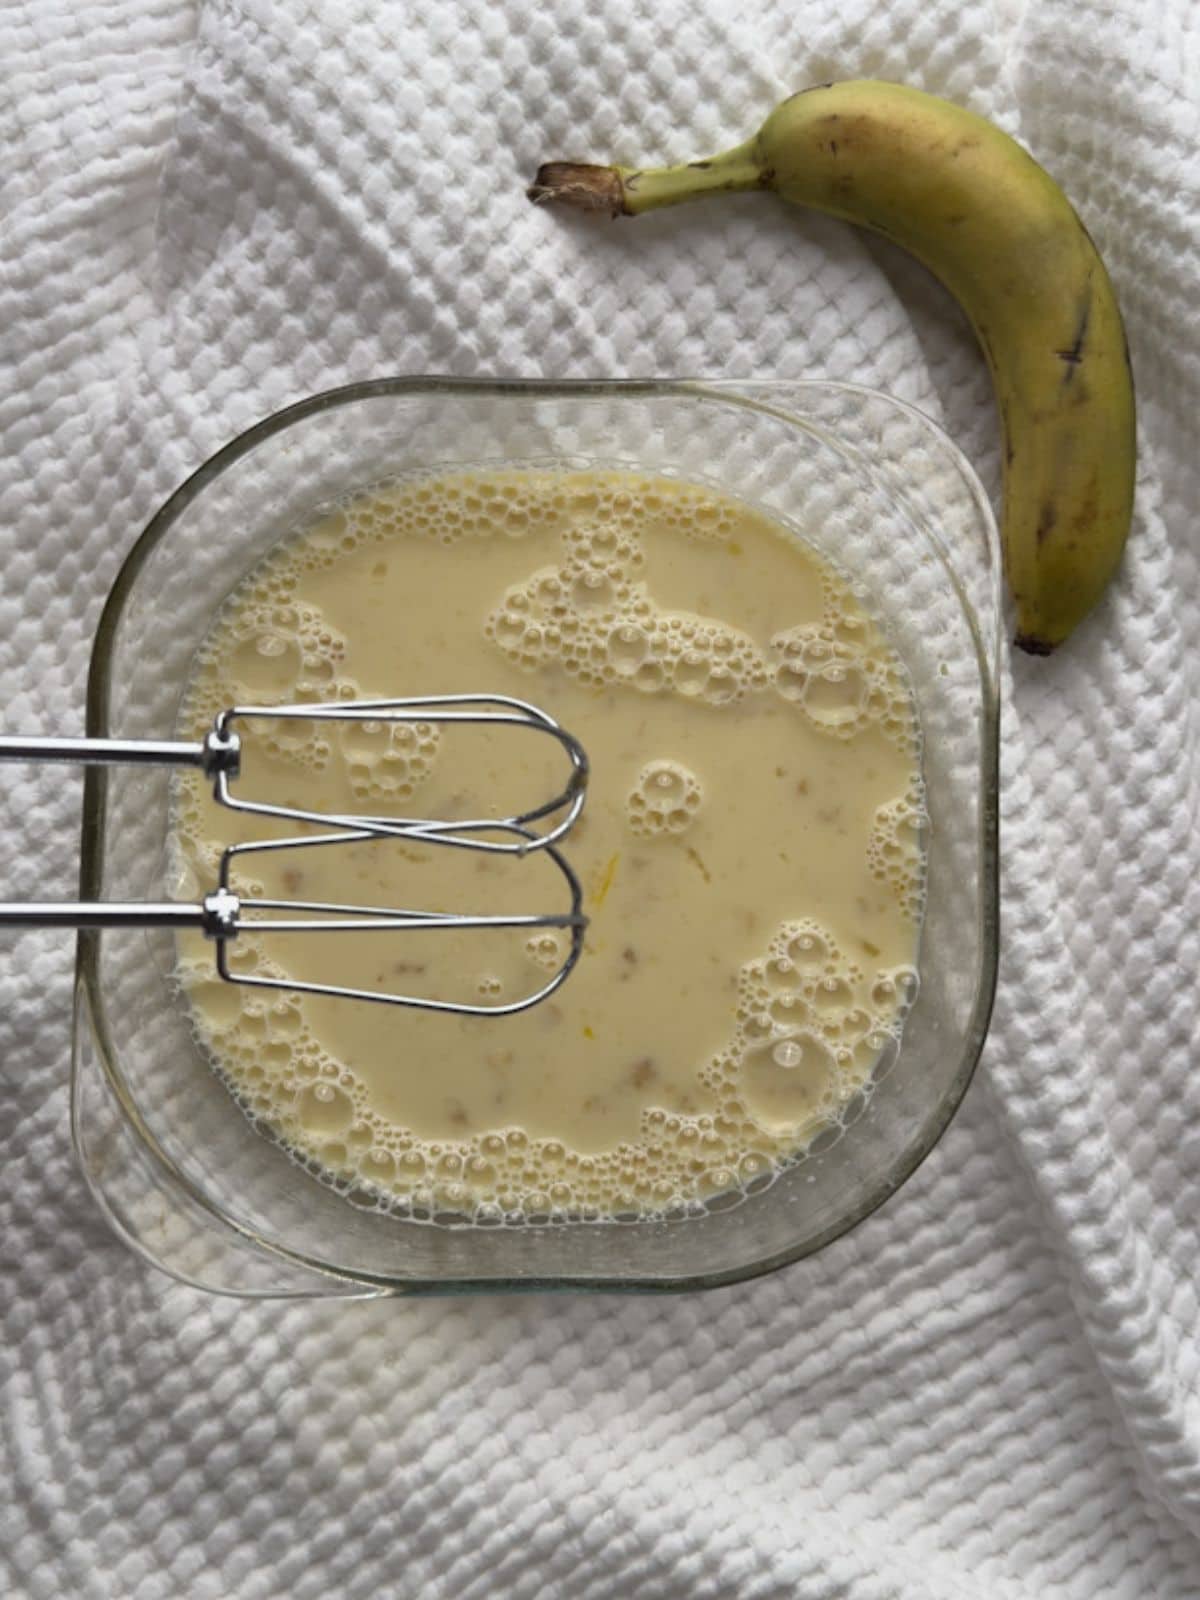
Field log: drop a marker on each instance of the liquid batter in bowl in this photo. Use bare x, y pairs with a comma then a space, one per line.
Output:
751, 849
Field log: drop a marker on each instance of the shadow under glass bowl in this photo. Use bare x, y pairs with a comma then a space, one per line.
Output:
869, 482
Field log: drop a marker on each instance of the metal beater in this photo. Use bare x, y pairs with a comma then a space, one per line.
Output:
222, 914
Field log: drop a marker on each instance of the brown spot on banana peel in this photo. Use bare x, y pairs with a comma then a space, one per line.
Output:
1086, 513
1047, 519
1073, 354
1032, 645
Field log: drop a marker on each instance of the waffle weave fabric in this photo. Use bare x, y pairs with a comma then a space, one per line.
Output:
990, 1389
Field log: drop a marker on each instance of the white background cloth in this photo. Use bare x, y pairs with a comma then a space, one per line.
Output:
988, 1390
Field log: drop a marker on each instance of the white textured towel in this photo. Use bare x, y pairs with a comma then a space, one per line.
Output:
991, 1387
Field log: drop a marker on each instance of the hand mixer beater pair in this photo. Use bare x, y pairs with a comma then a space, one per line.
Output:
223, 913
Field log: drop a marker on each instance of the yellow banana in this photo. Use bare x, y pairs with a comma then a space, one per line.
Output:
971, 204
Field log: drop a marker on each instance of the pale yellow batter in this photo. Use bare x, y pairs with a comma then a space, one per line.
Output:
751, 846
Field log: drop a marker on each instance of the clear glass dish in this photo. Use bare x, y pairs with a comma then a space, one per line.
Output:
174, 1165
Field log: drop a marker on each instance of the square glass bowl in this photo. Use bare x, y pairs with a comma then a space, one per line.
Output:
867, 480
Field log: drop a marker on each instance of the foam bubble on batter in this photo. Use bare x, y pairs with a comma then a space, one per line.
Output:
665, 799
813, 1027
841, 673
547, 949
387, 761
896, 847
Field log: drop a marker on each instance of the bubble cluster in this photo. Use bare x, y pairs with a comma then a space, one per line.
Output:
547, 949
811, 1026
447, 510
814, 1026
896, 848
276, 650
387, 761
594, 616
665, 799
842, 674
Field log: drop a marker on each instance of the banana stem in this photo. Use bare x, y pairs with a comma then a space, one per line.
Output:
624, 191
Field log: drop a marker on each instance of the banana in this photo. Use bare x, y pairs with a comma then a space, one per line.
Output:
996, 229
